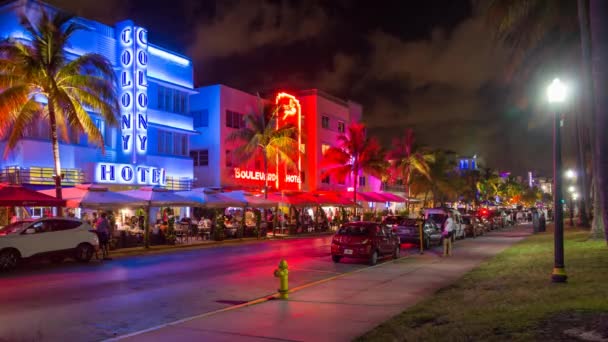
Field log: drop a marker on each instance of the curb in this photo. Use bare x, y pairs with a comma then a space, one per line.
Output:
175, 248
273, 296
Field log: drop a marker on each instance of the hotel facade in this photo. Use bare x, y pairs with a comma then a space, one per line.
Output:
150, 147
171, 134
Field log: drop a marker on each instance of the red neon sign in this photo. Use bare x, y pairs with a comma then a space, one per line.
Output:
290, 112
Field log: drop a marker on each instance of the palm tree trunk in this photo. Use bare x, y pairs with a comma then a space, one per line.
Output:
582, 120
584, 219
355, 193
265, 175
599, 40
55, 145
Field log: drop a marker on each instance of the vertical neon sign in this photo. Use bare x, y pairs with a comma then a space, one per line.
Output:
290, 112
141, 90
133, 90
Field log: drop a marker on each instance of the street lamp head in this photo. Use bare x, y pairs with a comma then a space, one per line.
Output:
570, 174
557, 91
571, 189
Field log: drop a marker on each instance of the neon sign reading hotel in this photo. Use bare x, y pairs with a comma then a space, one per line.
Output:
133, 57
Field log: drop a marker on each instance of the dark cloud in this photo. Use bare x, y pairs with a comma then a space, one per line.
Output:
242, 26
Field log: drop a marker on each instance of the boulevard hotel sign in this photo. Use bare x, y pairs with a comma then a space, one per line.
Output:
289, 112
133, 97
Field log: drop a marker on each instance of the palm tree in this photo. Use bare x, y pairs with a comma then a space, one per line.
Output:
260, 137
36, 71
599, 38
355, 153
409, 160
526, 26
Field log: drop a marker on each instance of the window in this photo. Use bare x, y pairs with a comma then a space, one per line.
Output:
229, 162
325, 180
325, 122
341, 126
172, 143
200, 157
234, 119
200, 118
101, 126
324, 148
361, 180
59, 225
172, 100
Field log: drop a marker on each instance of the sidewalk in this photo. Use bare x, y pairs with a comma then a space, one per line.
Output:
344, 307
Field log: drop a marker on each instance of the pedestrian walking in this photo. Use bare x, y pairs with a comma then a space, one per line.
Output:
448, 231
102, 226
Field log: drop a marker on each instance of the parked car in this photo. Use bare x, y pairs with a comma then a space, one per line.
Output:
408, 230
364, 240
440, 215
54, 238
472, 226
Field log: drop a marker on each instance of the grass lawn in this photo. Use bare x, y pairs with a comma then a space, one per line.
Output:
511, 297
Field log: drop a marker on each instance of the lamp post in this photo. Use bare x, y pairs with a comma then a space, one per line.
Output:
556, 94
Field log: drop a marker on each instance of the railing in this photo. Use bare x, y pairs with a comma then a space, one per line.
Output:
175, 183
39, 176
393, 187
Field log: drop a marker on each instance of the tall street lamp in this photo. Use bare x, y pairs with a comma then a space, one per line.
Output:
556, 94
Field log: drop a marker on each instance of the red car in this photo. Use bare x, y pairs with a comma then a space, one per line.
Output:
364, 240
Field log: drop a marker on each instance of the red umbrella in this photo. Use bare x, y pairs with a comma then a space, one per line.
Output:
18, 196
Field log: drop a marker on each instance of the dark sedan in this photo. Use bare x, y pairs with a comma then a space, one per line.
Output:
408, 230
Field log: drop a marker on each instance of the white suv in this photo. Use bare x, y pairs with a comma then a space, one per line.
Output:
54, 237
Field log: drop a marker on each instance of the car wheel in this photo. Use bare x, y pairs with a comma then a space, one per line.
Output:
336, 258
397, 252
84, 252
9, 259
427, 243
373, 259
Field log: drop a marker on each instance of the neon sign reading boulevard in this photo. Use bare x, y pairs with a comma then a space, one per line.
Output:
260, 176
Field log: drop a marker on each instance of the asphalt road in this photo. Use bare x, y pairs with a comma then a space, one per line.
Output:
96, 301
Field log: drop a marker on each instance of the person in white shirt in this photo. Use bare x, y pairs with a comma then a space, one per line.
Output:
448, 230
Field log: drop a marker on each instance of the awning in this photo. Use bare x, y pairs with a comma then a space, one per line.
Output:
334, 198
296, 199
211, 199
18, 196
158, 197
370, 197
251, 200
392, 197
95, 197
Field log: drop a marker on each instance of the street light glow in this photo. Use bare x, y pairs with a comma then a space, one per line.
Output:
570, 174
575, 196
571, 188
557, 91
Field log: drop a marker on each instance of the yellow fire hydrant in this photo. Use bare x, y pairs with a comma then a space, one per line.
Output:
281, 273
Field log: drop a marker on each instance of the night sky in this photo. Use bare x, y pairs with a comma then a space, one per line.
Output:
430, 65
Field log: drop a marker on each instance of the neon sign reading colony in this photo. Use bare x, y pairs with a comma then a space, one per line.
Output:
133, 90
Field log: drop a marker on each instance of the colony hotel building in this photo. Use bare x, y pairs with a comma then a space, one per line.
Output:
170, 134
150, 147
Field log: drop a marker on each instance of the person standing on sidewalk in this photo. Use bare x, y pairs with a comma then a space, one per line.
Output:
103, 231
448, 230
